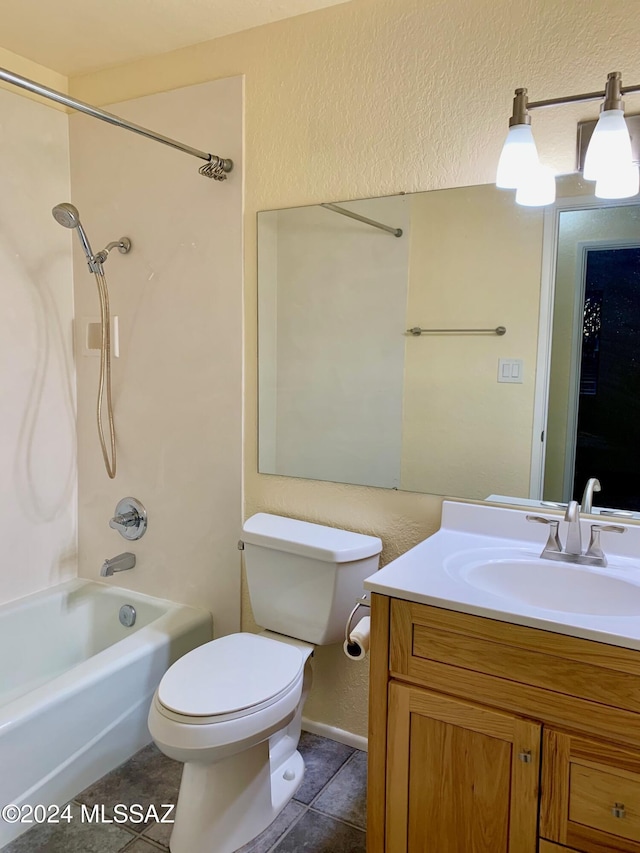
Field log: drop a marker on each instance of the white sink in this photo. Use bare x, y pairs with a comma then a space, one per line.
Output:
486, 561
552, 586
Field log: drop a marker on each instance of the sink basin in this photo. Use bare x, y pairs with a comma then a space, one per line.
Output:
553, 586
485, 561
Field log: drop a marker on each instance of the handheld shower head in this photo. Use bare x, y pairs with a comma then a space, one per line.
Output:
68, 216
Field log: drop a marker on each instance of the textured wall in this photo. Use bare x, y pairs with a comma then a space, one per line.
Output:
177, 385
37, 416
371, 98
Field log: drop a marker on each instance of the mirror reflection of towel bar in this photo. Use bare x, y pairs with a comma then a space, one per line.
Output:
416, 331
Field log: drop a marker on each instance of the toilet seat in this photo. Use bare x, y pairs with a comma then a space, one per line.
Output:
229, 678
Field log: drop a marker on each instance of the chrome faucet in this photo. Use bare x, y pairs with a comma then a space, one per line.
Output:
593, 485
121, 563
574, 534
572, 553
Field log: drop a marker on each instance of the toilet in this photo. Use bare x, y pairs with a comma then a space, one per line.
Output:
231, 710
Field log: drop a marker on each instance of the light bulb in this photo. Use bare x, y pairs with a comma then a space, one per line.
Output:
538, 189
622, 182
609, 146
518, 158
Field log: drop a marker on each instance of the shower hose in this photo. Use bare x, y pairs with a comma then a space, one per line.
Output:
104, 384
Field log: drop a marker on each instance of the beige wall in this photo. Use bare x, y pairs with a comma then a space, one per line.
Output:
33, 71
178, 381
475, 263
37, 414
371, 98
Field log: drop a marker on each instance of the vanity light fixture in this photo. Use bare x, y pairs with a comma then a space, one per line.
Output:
609, 161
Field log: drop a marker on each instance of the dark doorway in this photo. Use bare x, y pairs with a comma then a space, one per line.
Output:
608, 428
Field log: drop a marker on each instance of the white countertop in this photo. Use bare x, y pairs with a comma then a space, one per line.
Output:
426, 573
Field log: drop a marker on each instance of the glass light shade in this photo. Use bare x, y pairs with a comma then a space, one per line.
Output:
623, 182
609, 146
538, 189
518, 158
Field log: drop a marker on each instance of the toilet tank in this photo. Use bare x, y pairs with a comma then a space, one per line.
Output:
304, 579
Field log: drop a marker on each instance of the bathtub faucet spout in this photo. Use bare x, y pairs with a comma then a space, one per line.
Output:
121, 563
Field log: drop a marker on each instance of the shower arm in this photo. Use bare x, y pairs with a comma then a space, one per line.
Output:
215, 167
123, 245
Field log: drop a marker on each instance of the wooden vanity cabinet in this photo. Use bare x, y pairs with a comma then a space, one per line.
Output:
488, 737
459, 772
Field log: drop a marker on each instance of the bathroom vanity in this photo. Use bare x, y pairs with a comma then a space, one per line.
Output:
493, 730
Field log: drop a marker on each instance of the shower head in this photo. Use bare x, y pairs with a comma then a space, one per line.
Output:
68, 216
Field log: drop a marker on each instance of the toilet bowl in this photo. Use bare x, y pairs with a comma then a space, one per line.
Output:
231, 709
237, 737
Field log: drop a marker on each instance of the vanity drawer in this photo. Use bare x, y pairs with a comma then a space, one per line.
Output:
424, 637
590, 794
605, 800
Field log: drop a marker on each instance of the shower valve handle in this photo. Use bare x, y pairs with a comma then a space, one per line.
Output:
124, 521
130, 519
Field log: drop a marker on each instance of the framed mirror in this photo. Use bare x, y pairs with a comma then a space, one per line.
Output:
382, 360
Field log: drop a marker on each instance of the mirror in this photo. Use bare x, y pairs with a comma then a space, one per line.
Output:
347, 391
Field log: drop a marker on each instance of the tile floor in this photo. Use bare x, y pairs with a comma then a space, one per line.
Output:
327, 815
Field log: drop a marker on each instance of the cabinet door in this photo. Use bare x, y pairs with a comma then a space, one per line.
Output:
461, 778
590, 794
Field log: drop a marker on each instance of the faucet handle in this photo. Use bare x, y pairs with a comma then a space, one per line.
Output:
130, 519
595, 549
608, 528
553, 542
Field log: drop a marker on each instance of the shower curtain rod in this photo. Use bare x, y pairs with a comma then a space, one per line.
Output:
215, 167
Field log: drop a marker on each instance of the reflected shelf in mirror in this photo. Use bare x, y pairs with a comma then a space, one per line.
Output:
344, 396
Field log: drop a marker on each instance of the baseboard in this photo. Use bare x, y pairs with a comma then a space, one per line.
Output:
348, 738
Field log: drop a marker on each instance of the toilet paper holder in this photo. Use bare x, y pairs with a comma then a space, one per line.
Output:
362, 602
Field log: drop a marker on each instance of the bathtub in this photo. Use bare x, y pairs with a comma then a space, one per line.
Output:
76, 686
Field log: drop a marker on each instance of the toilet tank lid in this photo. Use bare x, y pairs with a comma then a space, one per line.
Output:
308, 540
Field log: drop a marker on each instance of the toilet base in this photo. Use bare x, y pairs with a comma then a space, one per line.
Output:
224, 805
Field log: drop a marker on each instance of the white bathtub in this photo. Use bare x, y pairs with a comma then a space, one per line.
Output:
76, 685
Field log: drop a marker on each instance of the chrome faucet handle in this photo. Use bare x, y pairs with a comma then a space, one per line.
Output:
553, 542
595, 549
124, 521
130, 519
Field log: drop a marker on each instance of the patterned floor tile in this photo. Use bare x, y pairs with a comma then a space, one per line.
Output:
322, 758
345, 796
316, 833
265, 841
76, 836
149, 778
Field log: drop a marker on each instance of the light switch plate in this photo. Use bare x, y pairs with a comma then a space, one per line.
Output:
510, 370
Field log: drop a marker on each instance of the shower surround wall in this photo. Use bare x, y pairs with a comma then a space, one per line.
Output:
177, 385
37, 387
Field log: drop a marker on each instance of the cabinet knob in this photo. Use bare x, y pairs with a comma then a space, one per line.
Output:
618, 810
525, 756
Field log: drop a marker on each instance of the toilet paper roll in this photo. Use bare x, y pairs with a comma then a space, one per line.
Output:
357, 646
